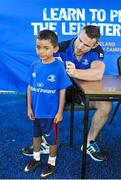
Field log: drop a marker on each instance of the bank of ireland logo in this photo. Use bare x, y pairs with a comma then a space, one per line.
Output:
40, 84
51, 78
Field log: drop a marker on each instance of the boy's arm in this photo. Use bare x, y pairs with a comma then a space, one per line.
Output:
30, 112
59, 115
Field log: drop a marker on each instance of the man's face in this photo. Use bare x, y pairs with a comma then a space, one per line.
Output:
83, 44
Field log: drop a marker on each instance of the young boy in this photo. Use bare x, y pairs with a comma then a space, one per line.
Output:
45, 98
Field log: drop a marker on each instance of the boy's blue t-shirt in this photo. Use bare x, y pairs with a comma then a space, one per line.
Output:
46, 80
86, 60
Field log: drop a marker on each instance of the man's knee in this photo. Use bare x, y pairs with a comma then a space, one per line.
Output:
104, 107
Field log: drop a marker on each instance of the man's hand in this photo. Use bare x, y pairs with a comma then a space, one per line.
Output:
70, 68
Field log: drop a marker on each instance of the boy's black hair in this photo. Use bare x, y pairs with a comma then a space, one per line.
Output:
48, 35
92, 31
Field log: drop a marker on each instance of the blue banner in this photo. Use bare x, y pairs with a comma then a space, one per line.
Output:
21, 20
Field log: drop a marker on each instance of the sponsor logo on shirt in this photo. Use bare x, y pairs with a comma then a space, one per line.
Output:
51, 78
40, 84
44, 91
34, 74
101, 55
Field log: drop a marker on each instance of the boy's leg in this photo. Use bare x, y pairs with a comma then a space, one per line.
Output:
51, 135
35, 162
44, 147
36, 143
52, 155
37, 133
51, 166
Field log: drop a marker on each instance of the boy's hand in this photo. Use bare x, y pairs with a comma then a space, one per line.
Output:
58, 118
31, 114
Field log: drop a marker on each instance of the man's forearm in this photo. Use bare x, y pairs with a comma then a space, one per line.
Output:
88, 74
94, 73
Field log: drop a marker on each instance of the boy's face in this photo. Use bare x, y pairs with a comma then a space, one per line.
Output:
45, 50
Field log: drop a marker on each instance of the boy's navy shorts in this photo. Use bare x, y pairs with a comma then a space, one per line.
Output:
47, 128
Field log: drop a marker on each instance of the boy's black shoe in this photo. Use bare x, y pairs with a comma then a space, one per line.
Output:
48, 171
32, 165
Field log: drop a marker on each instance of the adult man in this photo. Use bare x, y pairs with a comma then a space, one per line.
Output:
86, 63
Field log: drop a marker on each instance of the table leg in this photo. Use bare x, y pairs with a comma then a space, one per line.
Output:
71, 124
72, 117
85, 133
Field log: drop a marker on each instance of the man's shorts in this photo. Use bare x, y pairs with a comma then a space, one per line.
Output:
47, 128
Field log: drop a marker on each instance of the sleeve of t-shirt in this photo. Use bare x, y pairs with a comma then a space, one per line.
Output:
98, 54
64, 80
29, 76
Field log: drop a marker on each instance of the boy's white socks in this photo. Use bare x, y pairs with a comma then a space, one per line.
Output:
52, 160
36, 156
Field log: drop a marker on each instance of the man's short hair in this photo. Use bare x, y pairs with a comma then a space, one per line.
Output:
92, 31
